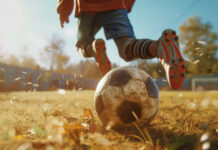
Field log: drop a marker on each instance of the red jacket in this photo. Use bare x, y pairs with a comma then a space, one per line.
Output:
65, 7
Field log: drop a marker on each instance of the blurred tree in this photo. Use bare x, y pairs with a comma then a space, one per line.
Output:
88, 68
21, 61
81, 67
2, 58
92, 70
61, 61
154, 69
13, 60
85, 68
54, 55
28, 62
70, 69
200, 47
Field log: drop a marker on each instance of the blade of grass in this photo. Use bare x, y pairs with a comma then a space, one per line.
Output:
145, 134
138, 128
140, 131
134, 114
137, 137
148, 136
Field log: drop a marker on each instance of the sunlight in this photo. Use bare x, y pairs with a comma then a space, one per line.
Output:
10, 17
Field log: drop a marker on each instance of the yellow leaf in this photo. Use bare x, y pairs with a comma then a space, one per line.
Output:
87, 113
73, 127
68, 129
18, 137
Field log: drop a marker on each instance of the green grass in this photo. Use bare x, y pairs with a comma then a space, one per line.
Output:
41, 120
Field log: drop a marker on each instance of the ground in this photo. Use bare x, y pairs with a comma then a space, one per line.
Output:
67, 120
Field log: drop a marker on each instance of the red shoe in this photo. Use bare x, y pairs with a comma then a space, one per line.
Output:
102, 60
169, 55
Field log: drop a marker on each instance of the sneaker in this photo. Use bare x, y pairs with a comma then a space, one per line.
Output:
100, 55
169, 55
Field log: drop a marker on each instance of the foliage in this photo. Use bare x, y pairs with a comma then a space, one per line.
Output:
200, 47
13, 60
61, 61
28, 62
54, 55
154, 69
88, 68
85, 68
23, 61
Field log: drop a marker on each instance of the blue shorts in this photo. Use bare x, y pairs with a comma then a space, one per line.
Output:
116, 24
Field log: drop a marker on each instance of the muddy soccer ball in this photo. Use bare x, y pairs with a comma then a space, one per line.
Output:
124, 94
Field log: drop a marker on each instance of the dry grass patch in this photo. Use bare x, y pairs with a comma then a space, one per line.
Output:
67, 119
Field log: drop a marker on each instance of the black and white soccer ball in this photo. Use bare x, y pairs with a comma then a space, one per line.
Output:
125, 90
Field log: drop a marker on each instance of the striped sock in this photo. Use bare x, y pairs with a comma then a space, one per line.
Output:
140, 49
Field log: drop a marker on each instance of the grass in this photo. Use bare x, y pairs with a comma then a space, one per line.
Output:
59, 120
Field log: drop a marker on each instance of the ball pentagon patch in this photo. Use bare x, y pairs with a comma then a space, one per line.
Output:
152, 88
119, 78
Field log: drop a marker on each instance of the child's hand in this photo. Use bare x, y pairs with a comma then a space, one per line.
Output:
64, 9
63, 19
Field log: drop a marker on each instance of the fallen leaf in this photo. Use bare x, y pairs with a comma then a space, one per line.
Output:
87, 113
73, 131
18, 137
100, 139
39, 131
56, 113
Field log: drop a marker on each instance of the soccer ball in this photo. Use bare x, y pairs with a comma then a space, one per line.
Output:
124, 94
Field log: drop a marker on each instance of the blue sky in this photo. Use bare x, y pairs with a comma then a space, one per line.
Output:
27, 25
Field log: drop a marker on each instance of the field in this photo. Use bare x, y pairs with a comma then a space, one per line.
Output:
67, 120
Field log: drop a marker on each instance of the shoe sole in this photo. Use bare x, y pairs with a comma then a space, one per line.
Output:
170, 57
103, 62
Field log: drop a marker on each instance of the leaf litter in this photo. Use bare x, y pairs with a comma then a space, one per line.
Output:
56, 122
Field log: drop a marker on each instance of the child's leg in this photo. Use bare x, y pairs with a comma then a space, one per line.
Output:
118, 27
166, 49
99, 53
85, 35
168, 53
97, 50
87, 45
122, 43
131, 48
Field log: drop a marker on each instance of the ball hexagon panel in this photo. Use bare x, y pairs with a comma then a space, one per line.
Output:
112, 97
136, 73
135, 90
150, 107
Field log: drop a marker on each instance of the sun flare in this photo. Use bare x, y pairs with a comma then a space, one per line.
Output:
10, 16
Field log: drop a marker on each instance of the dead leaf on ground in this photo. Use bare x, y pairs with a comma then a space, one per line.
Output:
87, 113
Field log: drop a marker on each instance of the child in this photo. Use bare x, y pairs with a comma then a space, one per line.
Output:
112, 15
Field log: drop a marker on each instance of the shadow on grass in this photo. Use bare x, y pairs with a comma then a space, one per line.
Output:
168, 139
